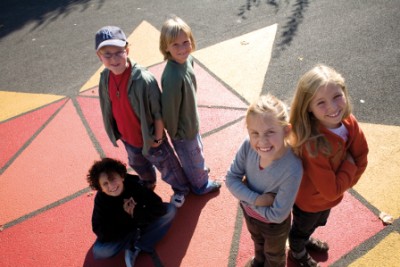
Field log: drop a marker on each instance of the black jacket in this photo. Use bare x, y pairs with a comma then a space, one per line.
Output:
110, 222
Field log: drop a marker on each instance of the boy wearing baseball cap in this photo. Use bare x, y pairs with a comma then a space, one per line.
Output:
130, 101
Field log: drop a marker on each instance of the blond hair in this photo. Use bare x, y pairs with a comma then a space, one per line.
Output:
170, 31
269, 104
304, 124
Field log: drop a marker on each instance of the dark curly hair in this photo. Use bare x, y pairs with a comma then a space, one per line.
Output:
105, 165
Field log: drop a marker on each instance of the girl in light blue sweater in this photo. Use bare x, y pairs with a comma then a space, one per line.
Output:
265, 176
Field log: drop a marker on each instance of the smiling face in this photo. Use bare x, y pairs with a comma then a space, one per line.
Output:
114, 58
112, 185
328, 105
180, 48
267, 136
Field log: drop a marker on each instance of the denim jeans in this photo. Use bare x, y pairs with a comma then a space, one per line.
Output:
164, 159
269, 241
145, 238
303, 226
190, 153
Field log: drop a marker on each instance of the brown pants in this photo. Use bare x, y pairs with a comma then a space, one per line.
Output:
269, 241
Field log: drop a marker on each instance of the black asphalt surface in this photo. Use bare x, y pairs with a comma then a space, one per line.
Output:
47, 46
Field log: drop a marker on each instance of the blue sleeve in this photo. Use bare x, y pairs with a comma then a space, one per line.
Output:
285, 196
236, 173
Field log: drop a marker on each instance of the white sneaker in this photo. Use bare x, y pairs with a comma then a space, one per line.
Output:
178, 200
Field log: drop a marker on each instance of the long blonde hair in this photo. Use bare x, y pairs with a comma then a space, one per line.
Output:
304, 124
170, 31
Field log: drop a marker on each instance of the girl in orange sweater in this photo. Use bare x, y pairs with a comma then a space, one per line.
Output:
333, 150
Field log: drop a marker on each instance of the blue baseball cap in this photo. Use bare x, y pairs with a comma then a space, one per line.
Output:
110, 35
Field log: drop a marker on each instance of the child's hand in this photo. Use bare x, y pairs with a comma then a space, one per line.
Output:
129, 206
157, 142
350, 158
265, 200
155, 145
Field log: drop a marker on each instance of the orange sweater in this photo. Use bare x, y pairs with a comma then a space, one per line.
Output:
326, 178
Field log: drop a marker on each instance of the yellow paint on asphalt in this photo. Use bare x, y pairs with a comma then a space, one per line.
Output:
241, 62
94, 80
144, 43
380, 184
386, 253
13, 103
143, 49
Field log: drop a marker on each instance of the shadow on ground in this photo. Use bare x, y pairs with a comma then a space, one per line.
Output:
172, 249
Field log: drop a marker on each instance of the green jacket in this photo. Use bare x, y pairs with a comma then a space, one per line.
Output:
179, 105
145, 98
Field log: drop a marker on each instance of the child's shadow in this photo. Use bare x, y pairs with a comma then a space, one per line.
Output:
172, 248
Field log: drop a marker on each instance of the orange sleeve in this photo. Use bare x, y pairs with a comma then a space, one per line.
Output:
359, 150
329, 184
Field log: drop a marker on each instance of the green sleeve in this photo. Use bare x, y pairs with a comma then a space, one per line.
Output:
171, 100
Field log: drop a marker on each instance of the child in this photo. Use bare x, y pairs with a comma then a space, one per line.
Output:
334, 152
179, 105
126, 215
273, 174
130, 101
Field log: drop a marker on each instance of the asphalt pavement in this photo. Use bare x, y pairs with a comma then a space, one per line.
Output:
48, 47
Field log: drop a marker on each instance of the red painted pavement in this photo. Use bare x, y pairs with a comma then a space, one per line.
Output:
16, 132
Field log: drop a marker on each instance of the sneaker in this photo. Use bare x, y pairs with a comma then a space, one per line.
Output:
178, 200
130, 257
211, 186
305, 261
317, 245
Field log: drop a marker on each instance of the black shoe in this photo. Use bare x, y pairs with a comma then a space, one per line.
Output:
305, 261
317, 245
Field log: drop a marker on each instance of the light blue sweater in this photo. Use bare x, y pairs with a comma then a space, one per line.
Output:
282, 177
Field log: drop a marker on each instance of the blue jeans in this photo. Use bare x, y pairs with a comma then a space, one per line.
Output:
190, 153
164, 159
145, 238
